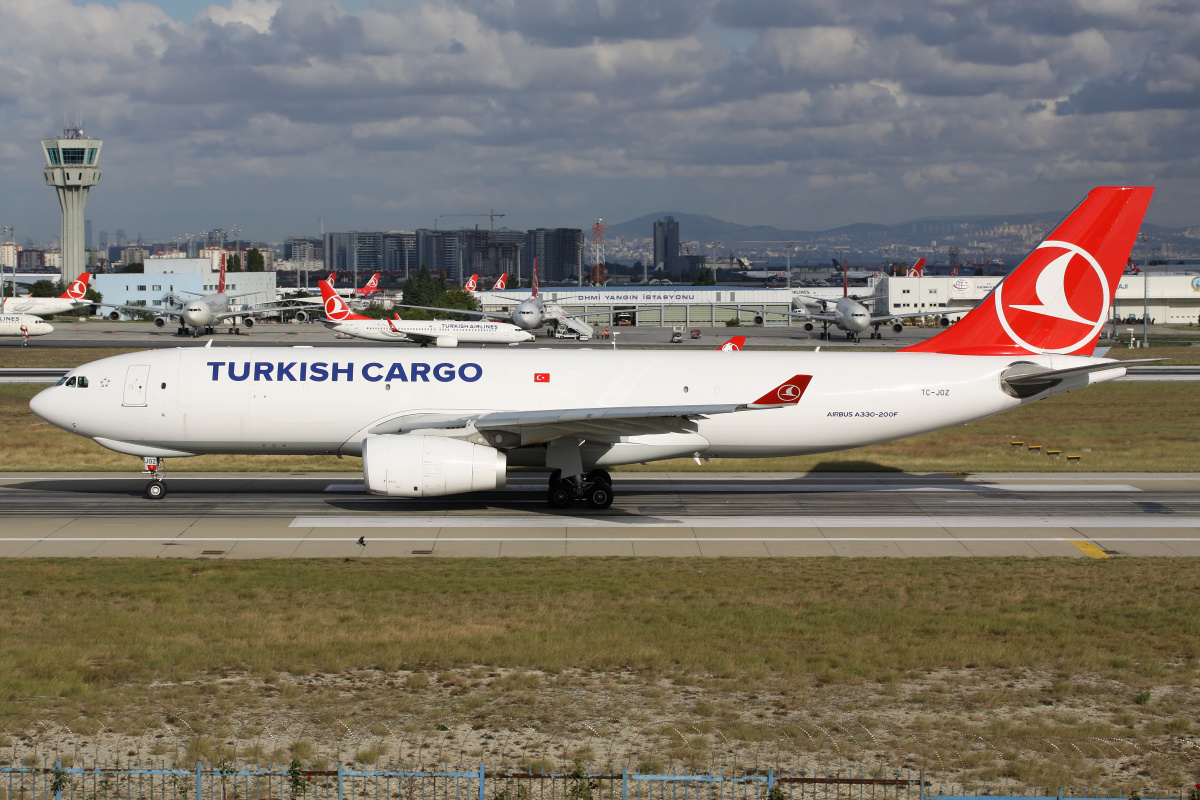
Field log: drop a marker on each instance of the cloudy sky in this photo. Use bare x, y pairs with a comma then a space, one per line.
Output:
268, 115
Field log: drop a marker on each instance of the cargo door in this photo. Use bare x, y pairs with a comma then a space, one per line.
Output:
135, 385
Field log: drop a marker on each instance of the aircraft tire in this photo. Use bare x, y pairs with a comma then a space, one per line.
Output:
560, 495
156, 490
599, 475
600, 495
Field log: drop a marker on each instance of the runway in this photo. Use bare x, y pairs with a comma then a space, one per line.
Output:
1081, 515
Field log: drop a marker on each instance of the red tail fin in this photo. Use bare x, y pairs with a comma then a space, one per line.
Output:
1058, 299
335, 307
471, 283
77, 289
917, 269
371, 285
535, 277
221, 281
500, 284
736, 343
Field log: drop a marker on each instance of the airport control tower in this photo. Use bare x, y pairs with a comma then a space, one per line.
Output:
72, 167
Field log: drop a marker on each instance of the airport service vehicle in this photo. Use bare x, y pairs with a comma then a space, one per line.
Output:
73, 299
429, 426
440, 332
201, 315
24, 325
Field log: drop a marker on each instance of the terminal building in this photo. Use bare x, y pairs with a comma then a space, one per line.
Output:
185, 277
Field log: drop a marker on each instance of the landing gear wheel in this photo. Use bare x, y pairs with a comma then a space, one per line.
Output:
599, 475
560, 495
600, 495
156, 490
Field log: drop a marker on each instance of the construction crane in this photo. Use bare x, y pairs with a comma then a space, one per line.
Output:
599, 273
491, 215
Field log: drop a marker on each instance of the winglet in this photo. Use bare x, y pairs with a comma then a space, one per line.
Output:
787, 393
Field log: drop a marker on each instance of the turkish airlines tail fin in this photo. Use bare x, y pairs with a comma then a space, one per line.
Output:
1058, 299
371, 286
736, 343
221, 281
501, 283
471, 283
917, 269
335, 307
78, 289
535, 277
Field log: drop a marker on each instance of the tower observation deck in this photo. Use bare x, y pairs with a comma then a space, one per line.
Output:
72, 168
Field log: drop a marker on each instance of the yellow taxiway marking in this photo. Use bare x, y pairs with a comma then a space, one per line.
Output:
1090, 549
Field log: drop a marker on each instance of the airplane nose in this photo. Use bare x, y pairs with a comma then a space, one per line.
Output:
47, 407
49, 329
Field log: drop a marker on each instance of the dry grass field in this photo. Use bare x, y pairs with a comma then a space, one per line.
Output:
996, 673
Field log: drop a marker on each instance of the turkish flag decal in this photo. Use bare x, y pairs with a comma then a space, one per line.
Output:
541, 377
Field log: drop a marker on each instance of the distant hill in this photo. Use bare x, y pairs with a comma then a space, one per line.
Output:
705, 229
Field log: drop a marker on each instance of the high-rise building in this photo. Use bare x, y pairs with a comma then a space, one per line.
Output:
72, 168
10, 252
559, 254
666, 243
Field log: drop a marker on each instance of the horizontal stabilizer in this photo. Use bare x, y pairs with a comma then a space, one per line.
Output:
1026, 379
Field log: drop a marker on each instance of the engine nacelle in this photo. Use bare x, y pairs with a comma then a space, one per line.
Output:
408, 465
758, 319
809, 327
114, 315
944, 322
160, 322
301, 316
897, 327
447, 341
247, 322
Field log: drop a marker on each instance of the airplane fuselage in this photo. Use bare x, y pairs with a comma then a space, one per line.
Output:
204, 312
178, 402
12, 325
41, 306
422, 331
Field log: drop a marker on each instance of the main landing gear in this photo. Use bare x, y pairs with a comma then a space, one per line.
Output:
595, 487
156, 489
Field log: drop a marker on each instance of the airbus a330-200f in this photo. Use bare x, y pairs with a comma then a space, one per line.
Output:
454, 422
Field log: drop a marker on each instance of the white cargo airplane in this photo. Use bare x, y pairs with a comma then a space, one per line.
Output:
428, 427
202, 315
440, 332
73, 299
24, 325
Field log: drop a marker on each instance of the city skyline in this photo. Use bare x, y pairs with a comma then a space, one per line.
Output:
383, 116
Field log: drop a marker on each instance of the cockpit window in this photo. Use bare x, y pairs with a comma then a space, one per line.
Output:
71, 381
61, 381
83, 384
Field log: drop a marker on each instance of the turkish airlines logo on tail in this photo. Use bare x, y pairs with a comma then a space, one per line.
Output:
735, 343
471, 283
79, 287
785, 394
372, 285
500, 284
1060, 307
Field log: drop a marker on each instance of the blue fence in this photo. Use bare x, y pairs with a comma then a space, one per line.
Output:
295, 782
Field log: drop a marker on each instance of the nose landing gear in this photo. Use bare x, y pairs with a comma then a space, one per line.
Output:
156, 489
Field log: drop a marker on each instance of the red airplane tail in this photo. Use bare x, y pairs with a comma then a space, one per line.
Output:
371, 286
736, 343
471, 283
78, 288
501, 283
1058, 299
917, 269
221, 281
534, 278
335, 307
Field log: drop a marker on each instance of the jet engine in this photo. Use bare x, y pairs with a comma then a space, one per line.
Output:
409, 465
301, 316
758, 319
897, 327
809, 327
447, 341
247, 322
944, 322
114, 315
160, 322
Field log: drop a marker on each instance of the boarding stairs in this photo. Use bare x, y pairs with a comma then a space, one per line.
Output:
574, 324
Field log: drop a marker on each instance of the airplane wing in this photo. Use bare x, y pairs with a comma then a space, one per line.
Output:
254, 312
801, 314
908, 314
611, 313
155, 310
517, 428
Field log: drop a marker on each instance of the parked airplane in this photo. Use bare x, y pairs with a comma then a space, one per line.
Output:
430, 427
73, 299
441, 332
848, 314
368, 289
201, 314
471, 283
24, 325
